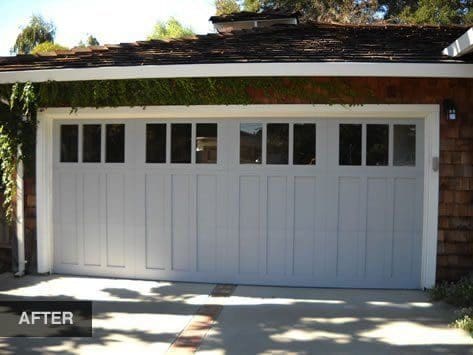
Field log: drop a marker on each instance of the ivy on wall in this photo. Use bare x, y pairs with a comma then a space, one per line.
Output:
17, 137
192, 91
18, 128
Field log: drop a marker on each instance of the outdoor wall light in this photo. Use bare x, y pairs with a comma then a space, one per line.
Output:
450, 110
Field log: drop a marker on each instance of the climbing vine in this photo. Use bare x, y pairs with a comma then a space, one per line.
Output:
18, 126
17, 134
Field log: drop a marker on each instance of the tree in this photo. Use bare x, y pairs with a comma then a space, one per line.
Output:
251, 5
37, 31
170, 29
438, 12
47, 47
225, 7
343, 11
392, 8
90, 41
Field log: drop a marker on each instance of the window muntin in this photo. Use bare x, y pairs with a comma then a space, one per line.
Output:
206, 143
91, 143
277, 143
181, 141
115, 143
350, 144
377, 144
156, 143
404, 144
69, 144
304, 144
251, 142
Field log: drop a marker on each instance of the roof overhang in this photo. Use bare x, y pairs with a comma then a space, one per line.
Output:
462, 45
331, 69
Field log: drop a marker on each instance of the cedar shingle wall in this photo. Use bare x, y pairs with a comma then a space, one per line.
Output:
455, 245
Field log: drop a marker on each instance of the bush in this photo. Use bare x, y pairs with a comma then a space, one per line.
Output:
465, 320
459, 294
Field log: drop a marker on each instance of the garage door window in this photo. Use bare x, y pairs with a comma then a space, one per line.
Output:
115, 143
304, 144
69, 143
91, 145
277, 143
251, 135
350, 144
377, 144
181, 140
404, 145
156, 143
206, 143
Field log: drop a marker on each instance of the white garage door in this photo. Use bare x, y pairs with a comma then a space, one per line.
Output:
306, 202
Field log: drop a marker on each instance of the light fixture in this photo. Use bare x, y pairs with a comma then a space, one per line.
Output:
450, 110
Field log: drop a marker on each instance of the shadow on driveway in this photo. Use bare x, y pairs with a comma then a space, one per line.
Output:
139, 317
326, 321
144, 317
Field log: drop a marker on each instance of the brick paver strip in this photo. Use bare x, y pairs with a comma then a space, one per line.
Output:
189, 340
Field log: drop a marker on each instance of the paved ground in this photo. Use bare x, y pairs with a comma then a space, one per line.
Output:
274, 320
145, 317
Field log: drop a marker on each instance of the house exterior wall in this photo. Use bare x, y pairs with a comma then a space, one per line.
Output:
455, 241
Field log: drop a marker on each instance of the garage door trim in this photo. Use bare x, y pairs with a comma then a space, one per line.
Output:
430, 114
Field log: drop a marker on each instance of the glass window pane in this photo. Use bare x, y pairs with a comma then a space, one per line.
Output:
181, 139
377, 144
115, 143
350, 144
91, 143
304, 144
206, 143
250, 143
156, 143
404, 145
277, 143
69, 143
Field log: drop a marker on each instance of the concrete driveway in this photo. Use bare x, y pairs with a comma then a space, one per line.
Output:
150, 317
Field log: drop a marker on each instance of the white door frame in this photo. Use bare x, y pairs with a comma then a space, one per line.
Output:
430, 114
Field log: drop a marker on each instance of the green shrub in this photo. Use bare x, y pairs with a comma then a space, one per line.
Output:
459, 293
439, 292
465, 320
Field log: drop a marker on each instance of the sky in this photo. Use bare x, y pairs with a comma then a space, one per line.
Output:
110, 21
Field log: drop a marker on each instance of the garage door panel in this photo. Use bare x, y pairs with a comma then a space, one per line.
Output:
304, 225
249, 224
379, 228
349, 235
405, 204
207, 242
277, 212
156, 247
229, 258
115, 220
405, 227
181, 201
92, 219
68, 221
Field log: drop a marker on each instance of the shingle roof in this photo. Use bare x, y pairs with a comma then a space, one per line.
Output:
252, 16
282, 43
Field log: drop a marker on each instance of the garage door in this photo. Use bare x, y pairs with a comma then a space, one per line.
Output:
305, 202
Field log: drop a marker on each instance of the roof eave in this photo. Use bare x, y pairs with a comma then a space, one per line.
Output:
326, 69
461, 46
